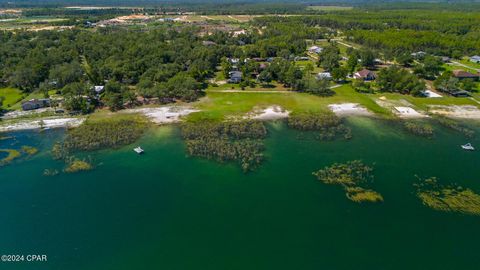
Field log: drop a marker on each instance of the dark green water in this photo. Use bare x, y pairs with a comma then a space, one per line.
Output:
163, 210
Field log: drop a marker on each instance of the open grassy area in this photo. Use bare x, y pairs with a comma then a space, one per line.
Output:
18, 105
453, 66
11, 95
466, 61
219, 105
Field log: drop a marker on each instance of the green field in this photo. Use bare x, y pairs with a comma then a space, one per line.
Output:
219, 105
11, 95
467, 62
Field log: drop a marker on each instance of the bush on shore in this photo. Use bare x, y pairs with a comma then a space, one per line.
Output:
100, 134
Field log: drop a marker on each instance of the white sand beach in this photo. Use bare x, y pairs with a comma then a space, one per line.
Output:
349, 109
269, 113
164, 115
40, 123
454, 111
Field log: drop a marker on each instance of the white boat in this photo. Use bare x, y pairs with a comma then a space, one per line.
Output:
468, 146
138, 150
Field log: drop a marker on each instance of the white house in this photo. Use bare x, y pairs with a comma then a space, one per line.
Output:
98, 89
475, 59
315, 49
324, 75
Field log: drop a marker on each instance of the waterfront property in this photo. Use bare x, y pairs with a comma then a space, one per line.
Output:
34, 104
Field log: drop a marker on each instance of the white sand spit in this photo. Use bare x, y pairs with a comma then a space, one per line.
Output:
41, 123
453, 111
164, 115
408, 112
348, 109
269, 113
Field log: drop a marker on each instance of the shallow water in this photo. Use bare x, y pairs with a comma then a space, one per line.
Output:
163, 210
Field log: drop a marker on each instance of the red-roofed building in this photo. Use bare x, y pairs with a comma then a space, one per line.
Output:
365, 74
460, 74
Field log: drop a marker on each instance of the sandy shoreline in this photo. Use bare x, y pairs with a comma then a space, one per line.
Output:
455, 111
45, 123
345, 109
164, 115
269, 113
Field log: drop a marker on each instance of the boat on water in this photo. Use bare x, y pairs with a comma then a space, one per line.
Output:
138, 150
468, 146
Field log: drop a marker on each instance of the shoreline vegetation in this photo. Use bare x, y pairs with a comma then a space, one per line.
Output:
420, 129
456, 126
327, 126
355, 178
447, 198
97, 134
239, 141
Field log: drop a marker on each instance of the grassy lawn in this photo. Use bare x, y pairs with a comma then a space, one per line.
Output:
18, 105
11, 95
422, 103
452, 67
466, 61
218, 105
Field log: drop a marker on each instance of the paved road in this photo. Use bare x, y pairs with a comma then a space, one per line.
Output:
260, 91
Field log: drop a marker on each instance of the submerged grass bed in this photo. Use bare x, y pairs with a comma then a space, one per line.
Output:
448, 198
226, 141
354, 177
327, 126
12, 154
29, 150
419, 129
456, 126
77, 165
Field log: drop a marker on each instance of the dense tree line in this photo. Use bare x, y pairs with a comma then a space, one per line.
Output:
395, 32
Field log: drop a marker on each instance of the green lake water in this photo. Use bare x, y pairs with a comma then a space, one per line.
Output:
163, 210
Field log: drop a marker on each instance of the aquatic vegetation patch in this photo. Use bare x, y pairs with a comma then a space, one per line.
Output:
50, 172
226, 141
100, 134
12, 154
456, 126
77, 165
327, 126
354, 177
359, 194
29, 150
419, 129
448, 198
